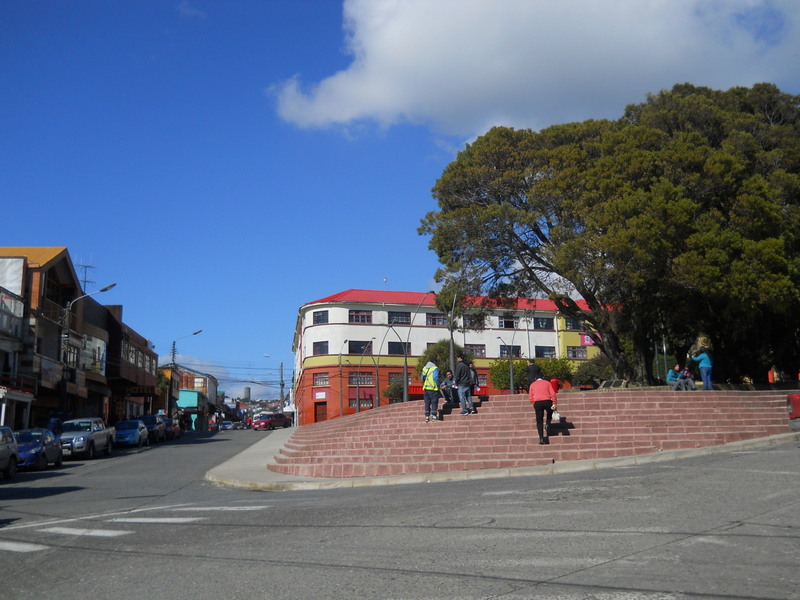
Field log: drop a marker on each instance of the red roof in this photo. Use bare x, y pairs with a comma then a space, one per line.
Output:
424, 299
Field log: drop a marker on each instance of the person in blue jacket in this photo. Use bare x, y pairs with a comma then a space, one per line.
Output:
704, 362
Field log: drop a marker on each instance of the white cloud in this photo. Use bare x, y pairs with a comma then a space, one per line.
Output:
461, 66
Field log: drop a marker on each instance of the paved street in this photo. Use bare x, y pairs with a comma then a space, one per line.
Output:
145, 523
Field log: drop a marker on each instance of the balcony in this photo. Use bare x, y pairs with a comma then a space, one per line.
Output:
20, 383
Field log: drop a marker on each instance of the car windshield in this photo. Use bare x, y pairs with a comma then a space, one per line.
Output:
77, 426
26, 437
128, 425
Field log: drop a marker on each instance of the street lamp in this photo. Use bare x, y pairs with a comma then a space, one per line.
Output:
368, 345
65, 341
170, 403
405, 346
341, 397
510, 365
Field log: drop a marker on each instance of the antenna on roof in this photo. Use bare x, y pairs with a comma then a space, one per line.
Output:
84, 279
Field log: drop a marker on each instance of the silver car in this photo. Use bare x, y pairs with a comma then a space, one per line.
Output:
9, 454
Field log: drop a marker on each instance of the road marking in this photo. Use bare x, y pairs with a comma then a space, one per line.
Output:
21, 547
162, 520
87, 532
219, 508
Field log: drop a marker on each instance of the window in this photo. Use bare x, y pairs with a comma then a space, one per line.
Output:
396, 348
357, 347
363, 378
576, 352
320, 348
360, 316
505, 351
508, 322
474, 321
476, 349
366, 402
399, 318
573, 324
435, 320
545, 352
543, 323
396, 377
321, 379
320, 317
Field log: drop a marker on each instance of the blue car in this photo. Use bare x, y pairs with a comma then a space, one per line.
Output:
131, 433
38, 448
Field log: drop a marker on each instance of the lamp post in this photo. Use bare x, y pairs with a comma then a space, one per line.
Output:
368, 345
170, 403
510, 365
341, 396
65, 341
405, 346
405, 364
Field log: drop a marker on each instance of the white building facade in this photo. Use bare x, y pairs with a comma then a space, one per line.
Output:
349, 347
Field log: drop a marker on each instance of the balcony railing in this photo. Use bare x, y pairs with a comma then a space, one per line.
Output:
21, 383
53, 311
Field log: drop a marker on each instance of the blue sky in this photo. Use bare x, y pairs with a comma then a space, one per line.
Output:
227, 162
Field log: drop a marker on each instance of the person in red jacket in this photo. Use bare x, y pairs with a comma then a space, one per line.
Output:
543, 397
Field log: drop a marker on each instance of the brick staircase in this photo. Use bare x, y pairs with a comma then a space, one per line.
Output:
396, 440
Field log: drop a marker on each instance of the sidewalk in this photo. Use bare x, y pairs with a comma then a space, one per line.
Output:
248, 469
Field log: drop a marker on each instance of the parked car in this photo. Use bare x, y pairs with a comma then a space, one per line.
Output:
9, 454
173, 428
271, 421
156, 427
86, 436
38, 448
132, 432
227, 425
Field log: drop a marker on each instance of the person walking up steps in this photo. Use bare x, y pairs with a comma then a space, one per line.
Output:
430, 387
543, 397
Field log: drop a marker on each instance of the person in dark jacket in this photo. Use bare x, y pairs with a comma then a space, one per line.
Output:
533, 371
464, 385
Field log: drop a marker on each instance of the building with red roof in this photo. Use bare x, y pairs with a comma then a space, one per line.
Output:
350, 346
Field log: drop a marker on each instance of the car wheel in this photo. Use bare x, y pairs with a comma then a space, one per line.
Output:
11, 468
90, 452
271, 427
42, 462
59, 460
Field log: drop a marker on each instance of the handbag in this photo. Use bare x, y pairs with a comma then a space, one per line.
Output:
556, 418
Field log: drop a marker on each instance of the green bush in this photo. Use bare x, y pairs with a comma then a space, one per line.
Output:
593, 371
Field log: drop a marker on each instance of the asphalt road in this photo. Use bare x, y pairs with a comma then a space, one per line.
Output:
146, 524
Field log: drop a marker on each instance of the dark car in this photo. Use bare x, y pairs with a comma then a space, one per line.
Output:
272, 421
174, 430
156, 428
38, 448
132, 432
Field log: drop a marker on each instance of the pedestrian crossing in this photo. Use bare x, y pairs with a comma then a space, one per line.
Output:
114, 518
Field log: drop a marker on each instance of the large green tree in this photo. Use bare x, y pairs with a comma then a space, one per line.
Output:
682, 216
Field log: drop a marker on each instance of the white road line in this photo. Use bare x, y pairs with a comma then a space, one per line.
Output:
21, 547
86, 532
88, 517
162, 520
219, 508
